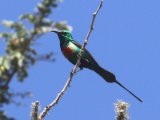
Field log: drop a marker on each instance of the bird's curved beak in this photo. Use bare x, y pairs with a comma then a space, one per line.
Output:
55, 31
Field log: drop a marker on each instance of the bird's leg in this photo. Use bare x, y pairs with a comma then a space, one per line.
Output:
80, 68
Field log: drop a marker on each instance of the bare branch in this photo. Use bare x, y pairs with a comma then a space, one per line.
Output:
59, 96
34, 112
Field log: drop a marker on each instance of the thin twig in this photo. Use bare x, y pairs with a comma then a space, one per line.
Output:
59, 96
34, 112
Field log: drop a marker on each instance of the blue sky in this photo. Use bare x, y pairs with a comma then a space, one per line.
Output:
125, 40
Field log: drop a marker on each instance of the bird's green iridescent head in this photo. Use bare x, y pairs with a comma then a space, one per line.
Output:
64, 35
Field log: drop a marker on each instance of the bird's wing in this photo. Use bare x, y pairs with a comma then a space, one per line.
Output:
77, 44
89, 54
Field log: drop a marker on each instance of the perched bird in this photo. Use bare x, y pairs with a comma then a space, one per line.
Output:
70, 49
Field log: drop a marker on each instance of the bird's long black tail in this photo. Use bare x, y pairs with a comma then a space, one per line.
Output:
110, 77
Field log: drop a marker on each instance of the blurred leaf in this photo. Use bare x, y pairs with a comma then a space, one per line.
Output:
5, 35
63, 26
7, 23
3, 116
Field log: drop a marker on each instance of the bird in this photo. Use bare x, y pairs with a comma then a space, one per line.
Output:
71, 49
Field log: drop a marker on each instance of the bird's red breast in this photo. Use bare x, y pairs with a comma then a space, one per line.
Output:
67, 51
70, 51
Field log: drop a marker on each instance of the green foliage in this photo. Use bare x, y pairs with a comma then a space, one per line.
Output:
19, 53
3, 116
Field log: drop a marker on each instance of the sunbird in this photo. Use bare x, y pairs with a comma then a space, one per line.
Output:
70, 49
